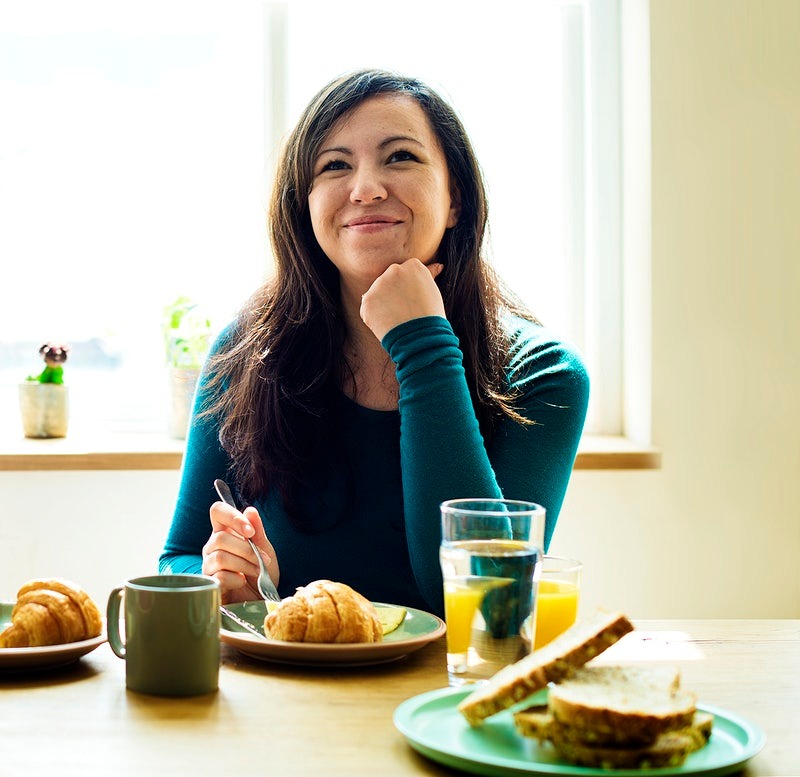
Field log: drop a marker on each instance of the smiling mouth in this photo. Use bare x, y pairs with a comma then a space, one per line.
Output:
372, 221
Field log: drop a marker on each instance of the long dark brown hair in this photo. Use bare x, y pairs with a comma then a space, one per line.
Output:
276, 382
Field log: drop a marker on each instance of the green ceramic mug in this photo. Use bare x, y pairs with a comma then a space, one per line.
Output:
171, 645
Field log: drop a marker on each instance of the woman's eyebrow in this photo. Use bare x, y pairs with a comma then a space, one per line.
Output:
385, 142
334, 150
399, 138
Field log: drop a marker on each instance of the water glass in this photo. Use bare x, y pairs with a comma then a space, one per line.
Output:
490, 556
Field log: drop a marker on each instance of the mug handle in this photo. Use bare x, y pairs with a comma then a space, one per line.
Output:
112, 622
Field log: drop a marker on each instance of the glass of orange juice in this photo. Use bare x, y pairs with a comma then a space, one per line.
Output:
490, 555
556, 598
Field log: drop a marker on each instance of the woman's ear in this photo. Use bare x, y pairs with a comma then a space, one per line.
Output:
455, 207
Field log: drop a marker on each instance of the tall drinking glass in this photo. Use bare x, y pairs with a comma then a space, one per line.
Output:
490, 555
557, 598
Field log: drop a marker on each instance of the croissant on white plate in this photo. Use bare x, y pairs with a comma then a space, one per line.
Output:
324, 611
51, 612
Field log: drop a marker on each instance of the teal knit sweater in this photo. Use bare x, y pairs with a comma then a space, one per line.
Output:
375, 501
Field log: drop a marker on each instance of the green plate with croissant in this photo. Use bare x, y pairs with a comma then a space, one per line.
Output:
417, 629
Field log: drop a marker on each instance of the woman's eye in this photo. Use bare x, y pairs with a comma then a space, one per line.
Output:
403, 156
334, 164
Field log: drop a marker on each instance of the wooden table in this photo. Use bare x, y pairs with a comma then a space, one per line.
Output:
282, 721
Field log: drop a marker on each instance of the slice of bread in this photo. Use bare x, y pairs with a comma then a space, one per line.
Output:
538, 723
668, 749
555, 661
622, 704
619, 717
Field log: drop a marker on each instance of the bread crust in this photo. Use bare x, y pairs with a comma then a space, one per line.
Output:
642, 725
325, 612
551, 663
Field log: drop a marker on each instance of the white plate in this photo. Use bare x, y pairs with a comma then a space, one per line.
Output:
48, 657
417, 630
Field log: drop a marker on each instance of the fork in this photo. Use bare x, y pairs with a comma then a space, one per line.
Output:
264, 582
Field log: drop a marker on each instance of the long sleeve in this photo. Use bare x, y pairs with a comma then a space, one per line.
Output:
443, 455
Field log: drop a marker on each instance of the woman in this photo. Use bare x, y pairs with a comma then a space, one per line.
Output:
380, 371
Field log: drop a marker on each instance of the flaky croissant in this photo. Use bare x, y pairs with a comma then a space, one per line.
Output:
51, 612
324, 611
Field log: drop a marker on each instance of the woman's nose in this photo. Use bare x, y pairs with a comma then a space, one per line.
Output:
367, 186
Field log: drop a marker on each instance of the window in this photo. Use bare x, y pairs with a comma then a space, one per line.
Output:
131, 172
138, 138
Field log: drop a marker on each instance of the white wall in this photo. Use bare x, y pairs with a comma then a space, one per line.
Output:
96, 528
716, 531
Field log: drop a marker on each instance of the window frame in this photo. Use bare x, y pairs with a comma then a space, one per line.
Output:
611, 251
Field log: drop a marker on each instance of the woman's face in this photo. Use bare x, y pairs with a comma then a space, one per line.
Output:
381, 190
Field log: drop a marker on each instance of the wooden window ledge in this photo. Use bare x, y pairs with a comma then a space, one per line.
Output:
135, 451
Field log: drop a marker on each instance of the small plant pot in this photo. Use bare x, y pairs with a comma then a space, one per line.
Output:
182, 386
44, 408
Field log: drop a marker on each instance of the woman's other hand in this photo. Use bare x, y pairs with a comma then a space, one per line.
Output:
401, 293
228, 557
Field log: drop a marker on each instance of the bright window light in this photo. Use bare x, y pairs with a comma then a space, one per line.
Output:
136, 151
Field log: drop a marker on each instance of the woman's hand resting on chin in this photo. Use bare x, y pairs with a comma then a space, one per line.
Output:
401, 293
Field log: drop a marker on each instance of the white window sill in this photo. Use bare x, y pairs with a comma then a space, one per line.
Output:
133, 451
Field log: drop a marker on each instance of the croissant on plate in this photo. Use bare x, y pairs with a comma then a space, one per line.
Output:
324, 611
51, 612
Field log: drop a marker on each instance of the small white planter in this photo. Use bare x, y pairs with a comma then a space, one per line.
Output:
44, 408
182, 387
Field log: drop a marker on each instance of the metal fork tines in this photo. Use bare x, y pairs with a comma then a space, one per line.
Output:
264, 582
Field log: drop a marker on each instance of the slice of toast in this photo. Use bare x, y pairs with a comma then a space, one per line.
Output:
622, 704
537, 723
619, 717
580, 643
666, 750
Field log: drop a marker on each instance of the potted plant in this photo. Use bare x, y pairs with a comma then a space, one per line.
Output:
43, 398
187, 338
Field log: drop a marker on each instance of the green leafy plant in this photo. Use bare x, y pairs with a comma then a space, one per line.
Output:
187, 334
54, 355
